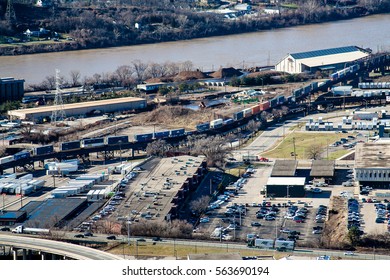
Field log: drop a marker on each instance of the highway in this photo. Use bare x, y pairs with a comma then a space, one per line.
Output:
67, 250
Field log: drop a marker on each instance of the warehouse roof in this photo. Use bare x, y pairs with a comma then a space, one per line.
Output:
322, 168
325, 52
286, 181
372, 155
78, 105
333, 59
283, 168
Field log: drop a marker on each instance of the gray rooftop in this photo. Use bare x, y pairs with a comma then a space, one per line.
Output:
322, 168
284, 168
324, 52
372, 155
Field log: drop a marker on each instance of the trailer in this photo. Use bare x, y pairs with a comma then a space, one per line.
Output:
25, 230
284, 245
68, 146
264, 243
43, 150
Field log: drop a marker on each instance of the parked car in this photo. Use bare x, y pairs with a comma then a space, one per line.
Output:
111, 237
255, 224
79, 236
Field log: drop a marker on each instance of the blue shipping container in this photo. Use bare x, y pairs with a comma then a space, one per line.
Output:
228, 121
72, 145
297, 92
112, 140
273, 102
203, 127
43, 150
314, 85
21, 155
238, 116
143, 137
177, 132
93, 141
161, 134
281, 99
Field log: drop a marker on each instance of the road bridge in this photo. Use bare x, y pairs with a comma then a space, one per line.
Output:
53, 249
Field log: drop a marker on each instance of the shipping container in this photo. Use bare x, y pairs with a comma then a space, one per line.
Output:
114, 140
289, 99
43, 150
72, 145
161, 134
297, 92
143, 137
228, 121
238, 116
264, 106
255, 109
92, 142
281, 99
22, 155
314, 85
247, 112
273, 103
177, 132
203, 127
216, 123
7, 159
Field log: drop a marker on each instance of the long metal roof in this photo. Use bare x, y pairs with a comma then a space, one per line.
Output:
325, 52
322, 168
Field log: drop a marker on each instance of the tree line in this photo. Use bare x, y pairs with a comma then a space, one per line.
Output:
94, 25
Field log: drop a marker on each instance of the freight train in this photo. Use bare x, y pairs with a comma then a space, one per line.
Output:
93, 142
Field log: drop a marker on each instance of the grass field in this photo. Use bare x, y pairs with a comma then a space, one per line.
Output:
303, 141
159, 250
337, 154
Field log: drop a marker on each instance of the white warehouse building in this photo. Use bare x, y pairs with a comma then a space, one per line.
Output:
328, 59
372, 164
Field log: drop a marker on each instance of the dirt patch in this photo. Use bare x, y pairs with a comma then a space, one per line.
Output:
226, 73
175, 117
335, 233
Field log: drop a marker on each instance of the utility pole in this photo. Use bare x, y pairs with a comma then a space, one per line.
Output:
10, 12
295, 154
58, 114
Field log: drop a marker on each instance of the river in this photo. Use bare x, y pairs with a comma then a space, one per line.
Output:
249, 49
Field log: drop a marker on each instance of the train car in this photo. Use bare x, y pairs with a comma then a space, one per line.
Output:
216, 123
7, 159
247, 112
334, 76
238, 116
203, 127
22, 155
297, 92
68, 146
228, 121
92, 142
114, 140
290, 99
281, 100
264, 106
143, 137
177, 132
161, 134
307, 89
256, 109
314, 85
43, 150
273, 102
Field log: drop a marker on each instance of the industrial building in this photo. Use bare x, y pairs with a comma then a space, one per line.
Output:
81, 109
11, 89
158, 193
372, 164
284, 168
321, 60
285, 187
324, 169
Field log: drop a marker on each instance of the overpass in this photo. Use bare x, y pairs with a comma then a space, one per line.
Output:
54, 250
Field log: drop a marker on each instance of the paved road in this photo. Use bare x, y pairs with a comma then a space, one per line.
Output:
55, 247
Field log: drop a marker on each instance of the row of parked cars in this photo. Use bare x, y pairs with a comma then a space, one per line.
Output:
353, 213
321, 214
297, 214
382, 213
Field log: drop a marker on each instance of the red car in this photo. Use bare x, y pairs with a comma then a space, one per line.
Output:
299, 221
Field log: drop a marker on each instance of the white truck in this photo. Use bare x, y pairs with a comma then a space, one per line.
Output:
26, 230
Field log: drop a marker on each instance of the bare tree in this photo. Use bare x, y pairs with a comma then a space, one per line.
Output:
200, 205
139, 69
123, 74
158, 148
186, 66
213, 148
314, 152
75, 78
253, 126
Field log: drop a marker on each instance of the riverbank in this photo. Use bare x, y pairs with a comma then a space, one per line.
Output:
220, 28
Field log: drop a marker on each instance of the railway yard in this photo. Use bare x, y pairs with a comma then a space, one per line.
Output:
248, 201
